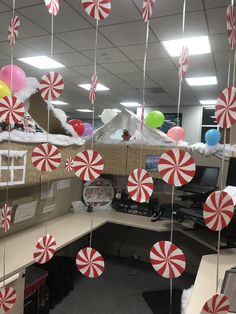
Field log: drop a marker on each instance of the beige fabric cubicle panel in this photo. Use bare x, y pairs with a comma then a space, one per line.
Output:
33, 175
114, 157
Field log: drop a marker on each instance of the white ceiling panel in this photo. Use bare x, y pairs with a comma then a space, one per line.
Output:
217, 20
170, 27
121, 67
216, 3
132, 33
84, 40
220, 43
73, 59
136, 52
87, 70
164, 75
107, 55
42, 45
66, 20
22, 3
157, 64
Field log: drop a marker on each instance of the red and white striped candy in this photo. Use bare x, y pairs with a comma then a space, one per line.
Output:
7, 299
168, 260
6, 217
69, 164
11, 109
183, 62
218, 304
93, 88
147, 9
51, 86
218, 210
52, 6
97, 9
90, 262
88, 165
226, 108
13, 30
46, 157
230, 22
140, 185
44, 249
176, 167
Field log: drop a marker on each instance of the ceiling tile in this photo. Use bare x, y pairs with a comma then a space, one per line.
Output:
217, 20
216, 3
136, 52
66, 20
87, 70
42, 45
73, 59
121, 67
170, 27
126, 34
157, 64
23, 3
220, 43
84, 40
107, 55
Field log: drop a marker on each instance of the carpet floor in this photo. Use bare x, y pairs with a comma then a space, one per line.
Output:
118, 291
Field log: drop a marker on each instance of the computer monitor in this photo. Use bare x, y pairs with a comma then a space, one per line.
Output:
206, 176
231, 177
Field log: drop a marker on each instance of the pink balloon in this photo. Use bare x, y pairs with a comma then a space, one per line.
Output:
18, 77
176, 133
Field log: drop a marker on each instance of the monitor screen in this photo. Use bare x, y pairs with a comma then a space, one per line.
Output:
151, 162
231, 177
206, 176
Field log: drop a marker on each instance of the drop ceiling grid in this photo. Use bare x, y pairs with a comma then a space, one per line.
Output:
133, 18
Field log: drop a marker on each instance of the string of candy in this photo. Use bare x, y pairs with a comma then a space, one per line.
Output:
224, 143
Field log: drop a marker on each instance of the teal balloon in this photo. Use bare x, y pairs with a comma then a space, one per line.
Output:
212, 137
155, 119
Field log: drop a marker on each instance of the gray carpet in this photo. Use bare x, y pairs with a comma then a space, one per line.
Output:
118, 291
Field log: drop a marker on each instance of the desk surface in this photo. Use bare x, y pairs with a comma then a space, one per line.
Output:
65, 229
205, 283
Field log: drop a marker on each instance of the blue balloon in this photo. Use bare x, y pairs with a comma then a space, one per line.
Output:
212, 137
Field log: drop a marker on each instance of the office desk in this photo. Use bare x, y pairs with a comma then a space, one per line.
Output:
66, 229
205, 283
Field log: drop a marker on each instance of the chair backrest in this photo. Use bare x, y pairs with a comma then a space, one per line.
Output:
231, 177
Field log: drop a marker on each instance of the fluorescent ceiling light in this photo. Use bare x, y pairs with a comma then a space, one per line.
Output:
100, 87
84, 110
208, 102
201, 81
196, 45
59, 103
42, 62
130, 104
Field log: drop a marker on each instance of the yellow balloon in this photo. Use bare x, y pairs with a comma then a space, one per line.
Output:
4, 90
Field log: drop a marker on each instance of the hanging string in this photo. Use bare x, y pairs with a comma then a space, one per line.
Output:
93, 122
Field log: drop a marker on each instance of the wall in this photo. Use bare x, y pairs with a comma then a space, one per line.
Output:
62, 199
192, 120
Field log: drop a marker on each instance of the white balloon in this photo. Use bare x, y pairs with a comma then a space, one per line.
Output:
107, 115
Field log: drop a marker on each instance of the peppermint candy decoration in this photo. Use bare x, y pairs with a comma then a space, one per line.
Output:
183, 62
88, 165
140, 185
69, 164
226, 108
147, 9
218, 304
168, 260
176, 167
11, 109
13, 30
7, 299
46, 157
218, 210
90, 262
93, 88
6, 217
230, 22
45, 248
52, 6
51, 86
97, 9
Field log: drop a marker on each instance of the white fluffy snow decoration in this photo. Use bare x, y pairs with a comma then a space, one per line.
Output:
31, 87
56, 139
13, 153
217, 150
62, 117
185, 299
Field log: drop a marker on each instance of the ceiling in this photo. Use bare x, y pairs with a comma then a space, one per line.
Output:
120, 49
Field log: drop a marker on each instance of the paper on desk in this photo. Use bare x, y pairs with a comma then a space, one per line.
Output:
231, 190
25, 211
